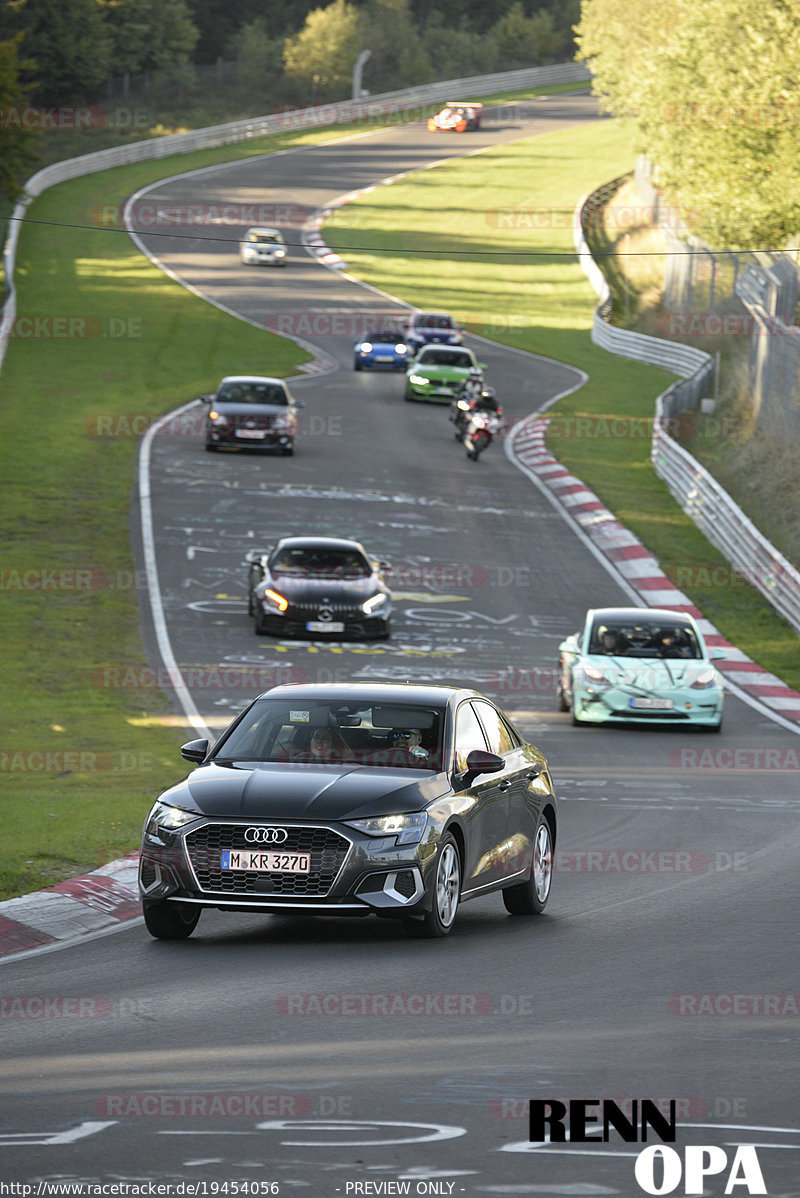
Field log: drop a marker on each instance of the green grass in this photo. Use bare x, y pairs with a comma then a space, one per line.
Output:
496, 231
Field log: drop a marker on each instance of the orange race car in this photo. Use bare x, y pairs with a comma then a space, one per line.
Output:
457, 116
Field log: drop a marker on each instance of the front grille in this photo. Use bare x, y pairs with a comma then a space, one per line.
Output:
310, 610
261, 422
328, 850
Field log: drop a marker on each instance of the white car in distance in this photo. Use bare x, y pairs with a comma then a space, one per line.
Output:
263, 247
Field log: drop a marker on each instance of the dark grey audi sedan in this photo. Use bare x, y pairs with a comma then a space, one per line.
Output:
350, 799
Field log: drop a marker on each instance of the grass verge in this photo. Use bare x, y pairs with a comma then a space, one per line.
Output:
497, 236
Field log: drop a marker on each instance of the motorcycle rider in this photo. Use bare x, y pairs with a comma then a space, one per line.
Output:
468, 392
484, 420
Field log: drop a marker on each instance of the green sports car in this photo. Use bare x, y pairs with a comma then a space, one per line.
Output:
438, 371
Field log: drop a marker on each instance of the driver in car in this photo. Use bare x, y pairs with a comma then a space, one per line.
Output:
409, 739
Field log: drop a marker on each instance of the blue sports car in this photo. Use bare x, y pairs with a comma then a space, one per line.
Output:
639, 665
384, 349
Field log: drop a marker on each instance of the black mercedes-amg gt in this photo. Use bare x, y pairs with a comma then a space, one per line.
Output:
346, 799
319, 587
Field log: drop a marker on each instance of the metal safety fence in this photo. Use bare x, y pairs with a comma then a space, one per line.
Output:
696, 491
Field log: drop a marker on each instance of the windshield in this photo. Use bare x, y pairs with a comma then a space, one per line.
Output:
266, 238
446, 357
311, 562
644, 638
256, 393
434, 320
318, 732
384, 337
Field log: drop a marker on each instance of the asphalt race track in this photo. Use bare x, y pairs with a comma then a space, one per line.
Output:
325, 1055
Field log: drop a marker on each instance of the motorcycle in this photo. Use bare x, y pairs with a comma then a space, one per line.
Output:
460, 414
483, 427
466, 397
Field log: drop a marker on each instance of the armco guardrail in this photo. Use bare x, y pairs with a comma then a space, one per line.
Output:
391, 105
698, 493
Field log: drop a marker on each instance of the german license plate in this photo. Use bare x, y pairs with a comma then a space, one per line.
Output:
444, 390
251, 434
325, 626
271, 862
652, 704
383, 358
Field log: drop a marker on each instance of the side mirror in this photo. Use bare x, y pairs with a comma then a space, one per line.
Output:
483, 366
205, 399
718, 654
384, 568
298, 403
195, 750
481, 762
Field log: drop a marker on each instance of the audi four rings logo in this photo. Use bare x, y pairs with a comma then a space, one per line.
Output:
265, 835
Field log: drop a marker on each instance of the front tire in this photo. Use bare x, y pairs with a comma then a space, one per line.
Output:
170, 921
530, 898
446, 894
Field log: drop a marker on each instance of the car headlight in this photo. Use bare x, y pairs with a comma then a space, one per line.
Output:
166, 818
373, 604
419, 380
218, 419
407, 829
401, 349
274, 599
280, 423
592, 674
366, 347
280, 253
704, 681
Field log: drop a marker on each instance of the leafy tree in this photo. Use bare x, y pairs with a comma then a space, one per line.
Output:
150, 35
260, 58
17, 144
713, 91
219, 21
521, 41
457, 51
399, 57
324, 52
68, 44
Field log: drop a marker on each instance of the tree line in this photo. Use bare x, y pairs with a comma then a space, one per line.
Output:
712, 90
63, 52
